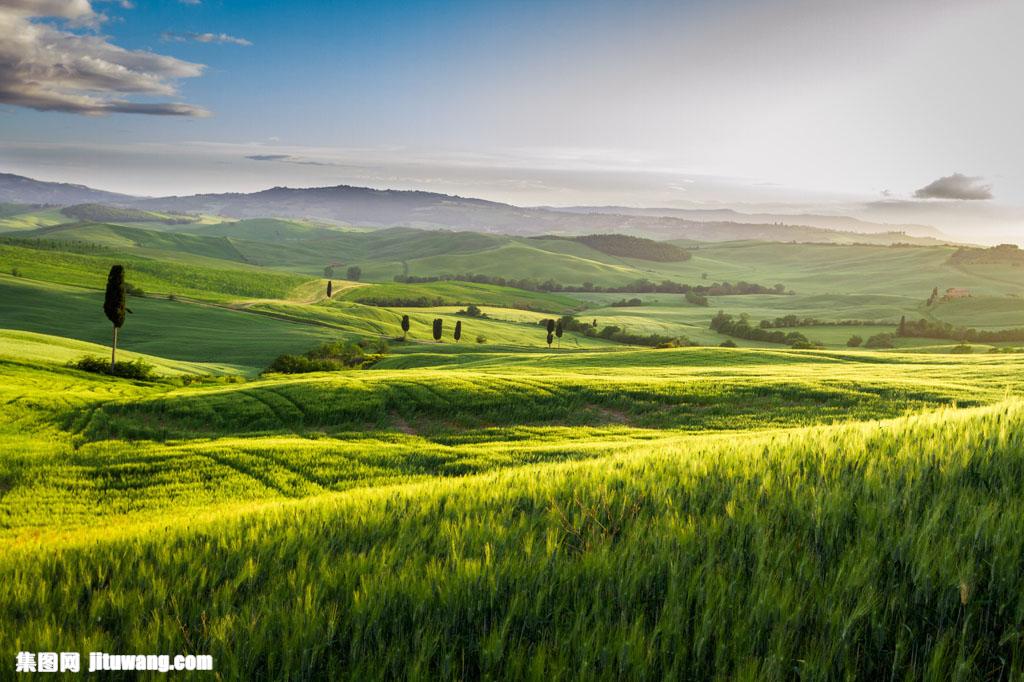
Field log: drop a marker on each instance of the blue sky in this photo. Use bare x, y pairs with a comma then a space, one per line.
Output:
807, 104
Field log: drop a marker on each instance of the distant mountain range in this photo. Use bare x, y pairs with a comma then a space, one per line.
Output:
389, 208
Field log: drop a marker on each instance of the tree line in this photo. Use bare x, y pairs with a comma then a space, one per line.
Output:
931, 329
740, 327
790, 321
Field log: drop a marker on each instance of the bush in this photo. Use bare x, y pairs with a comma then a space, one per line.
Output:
472, 310
15, 272
331, 357
133, 290
619, 335
137, 369
693, 298
480, 338
963, 348
728, 343
881, 341
854, 341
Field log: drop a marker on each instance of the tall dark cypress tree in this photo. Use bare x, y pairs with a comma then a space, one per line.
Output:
438, 328
902, 331
405, 326
558, 332
458, 330
330, 288
551, 338
113, 306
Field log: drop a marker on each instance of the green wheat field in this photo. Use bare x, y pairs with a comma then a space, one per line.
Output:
631, 503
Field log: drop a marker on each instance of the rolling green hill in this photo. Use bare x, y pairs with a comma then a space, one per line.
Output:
17, 217
265, 230
128, 239
193, 276
457, 293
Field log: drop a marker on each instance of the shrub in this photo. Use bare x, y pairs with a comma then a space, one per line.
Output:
137, 369
332, 357
133, 290
963, 348
728, 343
480, 338
884, 340
472, 310
854, 341
693, 298
15, 272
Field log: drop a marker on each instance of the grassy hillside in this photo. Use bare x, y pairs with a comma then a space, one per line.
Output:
221, 282
265, 230
844, 550
22, 346
17, 217
247, 337
103, 213
456, 294
82, 236
170, 329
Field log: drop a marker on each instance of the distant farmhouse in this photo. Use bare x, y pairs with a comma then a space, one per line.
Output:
954, 293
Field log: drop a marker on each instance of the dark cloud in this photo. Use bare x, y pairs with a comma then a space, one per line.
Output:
956, 186
46, 68
269, 157
223, 38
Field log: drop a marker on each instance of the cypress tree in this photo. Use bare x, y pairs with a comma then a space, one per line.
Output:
903, 326
405, 326
458, 330
438, 328
558, 332
330, 288
113, 306
551, 337
550, 326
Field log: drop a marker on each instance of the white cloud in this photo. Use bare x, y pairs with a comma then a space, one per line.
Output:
47, 68
171, 36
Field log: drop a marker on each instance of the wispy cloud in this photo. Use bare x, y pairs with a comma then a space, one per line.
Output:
288, 158
224, 38
51, 67
956, 186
